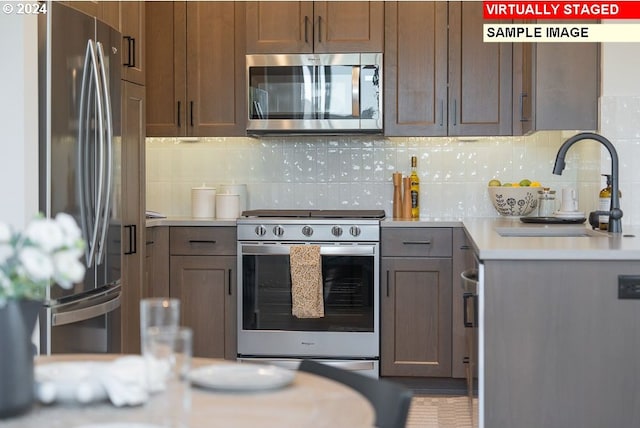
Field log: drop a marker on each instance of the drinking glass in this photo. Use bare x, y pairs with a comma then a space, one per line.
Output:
158, 312
168, 354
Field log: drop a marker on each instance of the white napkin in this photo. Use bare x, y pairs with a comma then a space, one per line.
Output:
123, 381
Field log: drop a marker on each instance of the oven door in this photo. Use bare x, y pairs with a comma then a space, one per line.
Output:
266, 326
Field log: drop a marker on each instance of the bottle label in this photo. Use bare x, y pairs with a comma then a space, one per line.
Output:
604, 205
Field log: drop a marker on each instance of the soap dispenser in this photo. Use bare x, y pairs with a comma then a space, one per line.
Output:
605, 203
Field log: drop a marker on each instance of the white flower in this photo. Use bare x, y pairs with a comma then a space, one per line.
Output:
70, 229
45, 233
6, 251
47, 251
36, 263
68, 269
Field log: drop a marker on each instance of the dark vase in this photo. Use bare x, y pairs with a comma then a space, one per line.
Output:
17, 320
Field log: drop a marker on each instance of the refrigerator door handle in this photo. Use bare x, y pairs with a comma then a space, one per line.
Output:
83, 314
108, 161
83, 177
101, 154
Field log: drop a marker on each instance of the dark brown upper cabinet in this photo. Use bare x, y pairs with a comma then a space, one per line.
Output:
195, 68
556, 86
314, 27
440, 77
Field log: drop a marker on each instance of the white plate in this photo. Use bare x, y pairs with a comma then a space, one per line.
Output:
241, 377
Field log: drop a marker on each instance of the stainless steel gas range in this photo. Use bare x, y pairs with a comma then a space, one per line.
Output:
348, 334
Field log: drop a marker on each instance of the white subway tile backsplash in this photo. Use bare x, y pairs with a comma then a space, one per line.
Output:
334, 172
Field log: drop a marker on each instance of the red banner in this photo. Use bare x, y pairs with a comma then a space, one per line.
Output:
585, 10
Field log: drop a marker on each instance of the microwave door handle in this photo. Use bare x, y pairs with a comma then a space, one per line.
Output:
318, 93
355, 91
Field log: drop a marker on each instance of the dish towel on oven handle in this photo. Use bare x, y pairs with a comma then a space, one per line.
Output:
306, 281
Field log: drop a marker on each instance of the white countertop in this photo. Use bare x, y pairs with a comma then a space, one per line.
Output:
189, 221
490, 245
422, 222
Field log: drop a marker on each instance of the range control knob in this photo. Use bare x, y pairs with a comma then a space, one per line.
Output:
336, 231
354, 231
278, 231
307, 231
261, 230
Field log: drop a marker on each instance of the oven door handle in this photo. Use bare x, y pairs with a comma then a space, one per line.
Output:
329, 250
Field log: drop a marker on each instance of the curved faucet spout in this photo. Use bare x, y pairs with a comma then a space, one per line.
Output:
614, 213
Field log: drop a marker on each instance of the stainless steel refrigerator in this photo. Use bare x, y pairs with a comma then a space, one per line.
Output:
79, 164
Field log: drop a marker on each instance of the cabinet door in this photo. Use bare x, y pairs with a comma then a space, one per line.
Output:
480, 76
90, 7
132, 21
415, 317
133, 212
215, 69
165, 49
415, 68
109, 12
279, 27
548, 92
463, 259
206, 287
348, 26
157, 262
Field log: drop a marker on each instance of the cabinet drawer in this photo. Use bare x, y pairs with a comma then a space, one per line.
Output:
416, 242
202, 241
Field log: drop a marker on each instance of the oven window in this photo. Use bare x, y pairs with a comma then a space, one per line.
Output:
348, 285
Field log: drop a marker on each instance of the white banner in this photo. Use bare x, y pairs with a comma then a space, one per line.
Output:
561, 33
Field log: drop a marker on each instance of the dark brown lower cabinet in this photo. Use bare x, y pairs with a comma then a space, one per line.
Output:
415, 317
206, 287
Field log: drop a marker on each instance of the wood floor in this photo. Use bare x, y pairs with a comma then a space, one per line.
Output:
443, 411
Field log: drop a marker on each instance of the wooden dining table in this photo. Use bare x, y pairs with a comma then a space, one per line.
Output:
308, 401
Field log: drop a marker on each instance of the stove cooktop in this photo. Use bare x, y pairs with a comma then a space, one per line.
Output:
297, 213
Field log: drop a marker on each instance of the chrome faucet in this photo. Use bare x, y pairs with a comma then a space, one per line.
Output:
614, 213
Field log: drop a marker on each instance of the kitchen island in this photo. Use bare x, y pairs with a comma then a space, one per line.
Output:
558, 345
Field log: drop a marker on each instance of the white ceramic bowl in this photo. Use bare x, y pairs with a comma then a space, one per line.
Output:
514, 201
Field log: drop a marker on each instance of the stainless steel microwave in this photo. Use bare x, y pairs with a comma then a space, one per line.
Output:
314, 93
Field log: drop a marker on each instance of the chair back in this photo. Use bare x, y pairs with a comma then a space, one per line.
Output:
390, 400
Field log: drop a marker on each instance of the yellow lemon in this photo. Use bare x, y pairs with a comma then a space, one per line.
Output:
535, 184
515, 185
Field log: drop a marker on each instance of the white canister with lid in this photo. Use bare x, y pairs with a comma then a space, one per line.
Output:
203, 202
227, 206
237, 189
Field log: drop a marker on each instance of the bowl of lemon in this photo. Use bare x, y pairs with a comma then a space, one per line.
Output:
514, 199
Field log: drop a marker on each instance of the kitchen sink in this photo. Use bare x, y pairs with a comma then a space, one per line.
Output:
553, 231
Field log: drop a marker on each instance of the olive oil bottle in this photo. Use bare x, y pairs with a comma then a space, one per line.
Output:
415, 188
